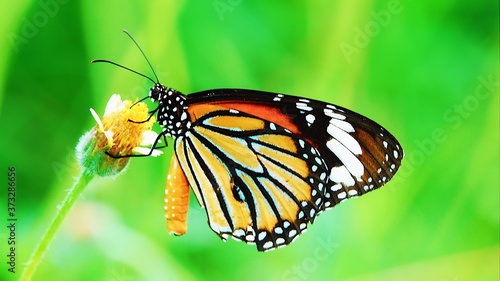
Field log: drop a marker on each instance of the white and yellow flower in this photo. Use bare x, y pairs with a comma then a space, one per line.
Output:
116, 135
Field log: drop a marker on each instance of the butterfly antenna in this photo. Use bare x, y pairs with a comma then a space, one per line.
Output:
124, 67
135, 42
139, 101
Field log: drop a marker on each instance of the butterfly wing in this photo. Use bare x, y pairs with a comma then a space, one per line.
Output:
264, 165
252, 177
361, 155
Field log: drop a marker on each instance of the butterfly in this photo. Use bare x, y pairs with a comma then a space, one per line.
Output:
265, 165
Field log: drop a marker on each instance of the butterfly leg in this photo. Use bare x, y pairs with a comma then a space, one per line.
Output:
153, 147
176, 199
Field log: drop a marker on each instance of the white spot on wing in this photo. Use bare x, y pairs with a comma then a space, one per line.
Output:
183, 116
318, 160
250, 238
352, 164
312, 213
278, 230
329, 112
346, 126
314, 168
239, 233
262, 235
336, 187
310, 118
303, 106
344, 138
342, 195
318, 201
341, 175
267, 245
302, 143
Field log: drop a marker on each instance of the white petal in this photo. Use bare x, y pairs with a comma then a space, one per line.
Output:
109, 136
114, 104
149, 137
145, 151
97, 119
156, 153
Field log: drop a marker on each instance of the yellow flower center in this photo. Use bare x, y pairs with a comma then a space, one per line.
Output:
127, 134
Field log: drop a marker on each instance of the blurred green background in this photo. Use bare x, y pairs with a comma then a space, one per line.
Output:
428, 71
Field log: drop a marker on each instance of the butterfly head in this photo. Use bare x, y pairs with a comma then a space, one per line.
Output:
157, 92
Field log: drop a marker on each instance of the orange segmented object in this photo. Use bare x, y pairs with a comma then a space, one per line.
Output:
176, 199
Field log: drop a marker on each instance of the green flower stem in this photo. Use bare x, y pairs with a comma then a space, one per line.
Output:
63, 210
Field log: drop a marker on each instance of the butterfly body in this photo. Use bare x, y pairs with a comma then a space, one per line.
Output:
171, 110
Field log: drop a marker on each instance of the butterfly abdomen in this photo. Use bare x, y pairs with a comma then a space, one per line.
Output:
176, 199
